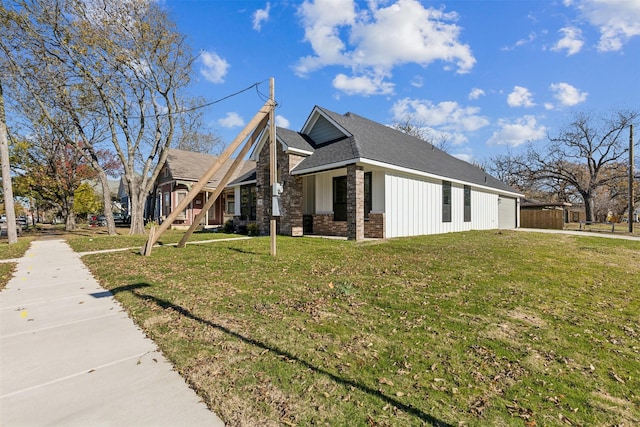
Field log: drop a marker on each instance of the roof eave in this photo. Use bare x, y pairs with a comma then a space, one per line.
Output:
388, 166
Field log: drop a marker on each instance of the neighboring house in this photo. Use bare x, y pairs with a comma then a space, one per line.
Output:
181, 170
576, 213
345, 175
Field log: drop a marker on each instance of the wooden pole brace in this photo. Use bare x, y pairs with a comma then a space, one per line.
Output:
198, 186
223, 182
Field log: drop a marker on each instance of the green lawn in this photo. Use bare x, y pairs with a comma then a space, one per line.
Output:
89, 240
475, 328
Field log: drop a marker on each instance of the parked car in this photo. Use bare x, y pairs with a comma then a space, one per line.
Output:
98, 220
121, 219
21, 222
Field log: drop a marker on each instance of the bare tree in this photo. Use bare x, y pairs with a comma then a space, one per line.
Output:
584, 155
45, 87
192, 134
123, 62
422, 131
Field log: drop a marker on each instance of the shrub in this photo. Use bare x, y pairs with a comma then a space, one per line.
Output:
228, 227
252, 229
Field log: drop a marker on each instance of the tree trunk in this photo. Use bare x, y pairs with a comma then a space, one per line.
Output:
12, 233
69, 215
138, 200
106, 200
588, 206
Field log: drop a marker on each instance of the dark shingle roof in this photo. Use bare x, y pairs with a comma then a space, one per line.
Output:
373, 141
294, 139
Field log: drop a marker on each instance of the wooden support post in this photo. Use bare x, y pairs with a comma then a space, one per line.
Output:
273, 169
147, 248
223, 182
630, 216
198, 186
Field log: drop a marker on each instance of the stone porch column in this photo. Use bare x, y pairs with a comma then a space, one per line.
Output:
355, 202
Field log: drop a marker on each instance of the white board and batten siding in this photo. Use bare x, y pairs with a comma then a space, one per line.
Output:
413, 206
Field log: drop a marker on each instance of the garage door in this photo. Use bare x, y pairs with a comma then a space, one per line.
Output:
506, 212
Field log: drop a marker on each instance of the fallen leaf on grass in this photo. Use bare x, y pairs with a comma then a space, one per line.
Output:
616, 377
385, 381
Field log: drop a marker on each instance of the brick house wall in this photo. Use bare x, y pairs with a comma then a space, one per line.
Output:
290, 221
355, 202
324, 225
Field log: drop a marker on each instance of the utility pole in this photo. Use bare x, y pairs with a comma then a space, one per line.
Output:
630, 216
12, 233
273, 168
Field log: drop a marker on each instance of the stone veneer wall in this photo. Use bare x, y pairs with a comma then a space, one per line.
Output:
374, 226
324, 225
290, 221
355, 202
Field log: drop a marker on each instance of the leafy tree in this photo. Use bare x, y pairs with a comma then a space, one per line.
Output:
86, 201
54, 170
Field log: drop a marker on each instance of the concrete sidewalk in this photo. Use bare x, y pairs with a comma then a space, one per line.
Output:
70, 355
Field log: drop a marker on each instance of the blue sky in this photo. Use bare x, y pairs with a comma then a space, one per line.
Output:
486, 75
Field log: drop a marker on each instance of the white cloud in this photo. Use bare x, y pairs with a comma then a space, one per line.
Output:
231, 120
417, 81
530, 39
572, 41
214, 67
516, 133
467, 157
476, 93
282, 122
617, 20
567, 95
520, 97
447, 119
362, 85
374, 40
260, 16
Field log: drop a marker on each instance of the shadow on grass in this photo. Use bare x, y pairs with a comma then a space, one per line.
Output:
135, 288
242, 251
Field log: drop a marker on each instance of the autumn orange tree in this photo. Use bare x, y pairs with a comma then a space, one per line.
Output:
49, 170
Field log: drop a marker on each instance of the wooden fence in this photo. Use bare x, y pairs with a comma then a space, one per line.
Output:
548, 218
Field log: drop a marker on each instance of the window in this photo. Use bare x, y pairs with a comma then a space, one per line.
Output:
467, 203
446, 201
248, 202
340, 198
368, 203
181, 196
166, 206
231, 206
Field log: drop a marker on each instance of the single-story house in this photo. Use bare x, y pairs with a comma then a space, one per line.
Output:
345, 175
181, 170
